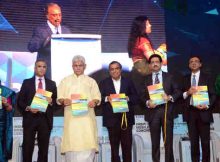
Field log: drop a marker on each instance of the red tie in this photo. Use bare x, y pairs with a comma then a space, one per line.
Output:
40, 85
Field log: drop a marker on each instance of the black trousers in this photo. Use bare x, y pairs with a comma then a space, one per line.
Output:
155, 131
38, 125
199, 130
117, 136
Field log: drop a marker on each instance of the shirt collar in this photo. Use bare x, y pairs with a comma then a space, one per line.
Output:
196, 74
37, 78
54, 28
74, 75
159, 72
116, 80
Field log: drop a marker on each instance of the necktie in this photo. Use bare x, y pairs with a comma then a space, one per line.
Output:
194, 80
57, 31
40, 85
156, 81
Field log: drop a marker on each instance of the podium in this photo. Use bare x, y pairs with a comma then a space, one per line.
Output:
65, 46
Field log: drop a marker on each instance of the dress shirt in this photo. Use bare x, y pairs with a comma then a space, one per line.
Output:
54, 29
159, 76
117, 85
197, 74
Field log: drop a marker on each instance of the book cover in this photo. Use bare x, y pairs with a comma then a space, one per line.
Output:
119, 103
39, 101
156, 93
0, 98
79, 104
201, 97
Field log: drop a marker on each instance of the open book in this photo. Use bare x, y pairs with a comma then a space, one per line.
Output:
39, 101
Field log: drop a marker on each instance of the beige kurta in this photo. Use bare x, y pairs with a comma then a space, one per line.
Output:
80, 132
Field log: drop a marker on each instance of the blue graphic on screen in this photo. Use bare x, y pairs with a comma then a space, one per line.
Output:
5, 25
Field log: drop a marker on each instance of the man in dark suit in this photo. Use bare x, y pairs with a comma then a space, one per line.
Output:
119, 129
155, 114
198, 117
40, 41
36, 122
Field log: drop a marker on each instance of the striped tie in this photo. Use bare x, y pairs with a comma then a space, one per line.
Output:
194, 80
156, 81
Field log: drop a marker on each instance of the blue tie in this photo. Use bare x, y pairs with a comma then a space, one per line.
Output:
194, 80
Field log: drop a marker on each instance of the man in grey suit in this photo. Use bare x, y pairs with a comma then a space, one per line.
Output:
40, 41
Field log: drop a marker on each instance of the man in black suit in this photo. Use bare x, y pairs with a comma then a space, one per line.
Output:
120, 130
198, 117
155, 114
40, 41
36, 122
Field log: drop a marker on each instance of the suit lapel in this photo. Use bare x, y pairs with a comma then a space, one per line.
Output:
33, 85
121, 86
149, 80
49, 31
111, 86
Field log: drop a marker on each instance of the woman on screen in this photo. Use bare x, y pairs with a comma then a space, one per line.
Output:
139, 45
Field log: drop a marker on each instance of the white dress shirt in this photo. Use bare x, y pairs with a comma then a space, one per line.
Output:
53, 28
37, 82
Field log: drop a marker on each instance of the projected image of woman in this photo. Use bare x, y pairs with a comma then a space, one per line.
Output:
139, 45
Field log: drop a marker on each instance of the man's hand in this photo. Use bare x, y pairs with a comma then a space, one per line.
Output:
65, 101
34, 111
191, 91
5, 103
151, 104
109, 99
202, 107
49, 100
93, 103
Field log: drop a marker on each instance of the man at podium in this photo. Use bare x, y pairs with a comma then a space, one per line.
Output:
40, 41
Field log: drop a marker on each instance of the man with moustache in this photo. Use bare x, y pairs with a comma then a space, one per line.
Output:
155, 114
79, 141
198, 117
36, 122
40, 41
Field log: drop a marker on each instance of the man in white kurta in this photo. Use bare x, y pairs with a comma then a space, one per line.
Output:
80, 132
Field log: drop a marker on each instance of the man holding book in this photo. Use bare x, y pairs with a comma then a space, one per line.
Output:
37, 118
159, 111
197, 108
118, 98
79, 94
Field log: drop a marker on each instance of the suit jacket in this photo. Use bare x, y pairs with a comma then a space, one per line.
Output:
40, 41
106, 86
170, 88
26, 96
204, 79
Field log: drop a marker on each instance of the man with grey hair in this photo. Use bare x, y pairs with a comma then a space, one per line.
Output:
40, 40
80, 140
